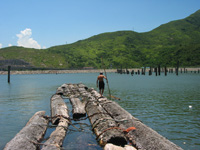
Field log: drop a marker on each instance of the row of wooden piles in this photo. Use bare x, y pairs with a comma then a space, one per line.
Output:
115, 128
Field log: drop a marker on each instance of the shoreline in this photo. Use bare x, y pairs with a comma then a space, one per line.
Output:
81, 71
57, 71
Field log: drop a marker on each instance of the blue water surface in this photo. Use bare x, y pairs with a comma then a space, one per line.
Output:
168, 104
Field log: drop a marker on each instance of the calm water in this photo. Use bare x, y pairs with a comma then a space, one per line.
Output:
160, 102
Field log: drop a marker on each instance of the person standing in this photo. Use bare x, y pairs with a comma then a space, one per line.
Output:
100, 83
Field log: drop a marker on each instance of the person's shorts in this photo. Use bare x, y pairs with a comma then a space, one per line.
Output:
101, 85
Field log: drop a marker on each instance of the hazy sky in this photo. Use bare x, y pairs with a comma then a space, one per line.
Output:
46, 23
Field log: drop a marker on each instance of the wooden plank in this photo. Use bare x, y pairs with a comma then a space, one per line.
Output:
32, 133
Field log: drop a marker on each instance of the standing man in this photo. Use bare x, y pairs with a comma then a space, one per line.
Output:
101, 84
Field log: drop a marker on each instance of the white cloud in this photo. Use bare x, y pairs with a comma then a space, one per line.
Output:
0, 45
25, 40
9, 45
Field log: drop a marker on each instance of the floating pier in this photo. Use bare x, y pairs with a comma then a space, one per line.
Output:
113, 126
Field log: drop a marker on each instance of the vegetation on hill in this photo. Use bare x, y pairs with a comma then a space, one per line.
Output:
165, 45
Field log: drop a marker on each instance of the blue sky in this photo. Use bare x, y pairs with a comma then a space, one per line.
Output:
46, 23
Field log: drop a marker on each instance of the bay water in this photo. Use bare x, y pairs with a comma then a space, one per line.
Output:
168, 104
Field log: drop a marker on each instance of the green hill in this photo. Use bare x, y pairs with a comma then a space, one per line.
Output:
175, 41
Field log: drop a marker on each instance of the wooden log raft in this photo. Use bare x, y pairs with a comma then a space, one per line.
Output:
60, 117
143, 137
32, 133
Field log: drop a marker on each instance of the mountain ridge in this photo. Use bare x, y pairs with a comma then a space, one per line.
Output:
165, 45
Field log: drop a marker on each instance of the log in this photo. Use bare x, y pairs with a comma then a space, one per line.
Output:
78, 108
115, 147
60, 117
58, 109
60, 91
71, 89
66, 90
104, 126
32, 133
56, 138
144, 137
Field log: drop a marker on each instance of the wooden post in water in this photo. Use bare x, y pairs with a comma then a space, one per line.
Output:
177, 68
9, 67
159, 70
156, 72
150, 71
132, 72
165, 71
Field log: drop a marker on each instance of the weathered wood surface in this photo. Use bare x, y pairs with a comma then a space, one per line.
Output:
56, 138
144, 137
74, 92
32, 133
60, 91
58, 109
115, 147
103, 124
78, 108
60, 117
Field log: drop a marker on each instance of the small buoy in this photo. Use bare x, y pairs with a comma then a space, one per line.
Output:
184, 142
190, 106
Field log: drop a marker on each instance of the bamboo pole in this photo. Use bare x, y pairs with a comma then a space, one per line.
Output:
106, 77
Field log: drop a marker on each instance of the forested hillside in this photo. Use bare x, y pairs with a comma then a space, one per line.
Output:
175, 41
